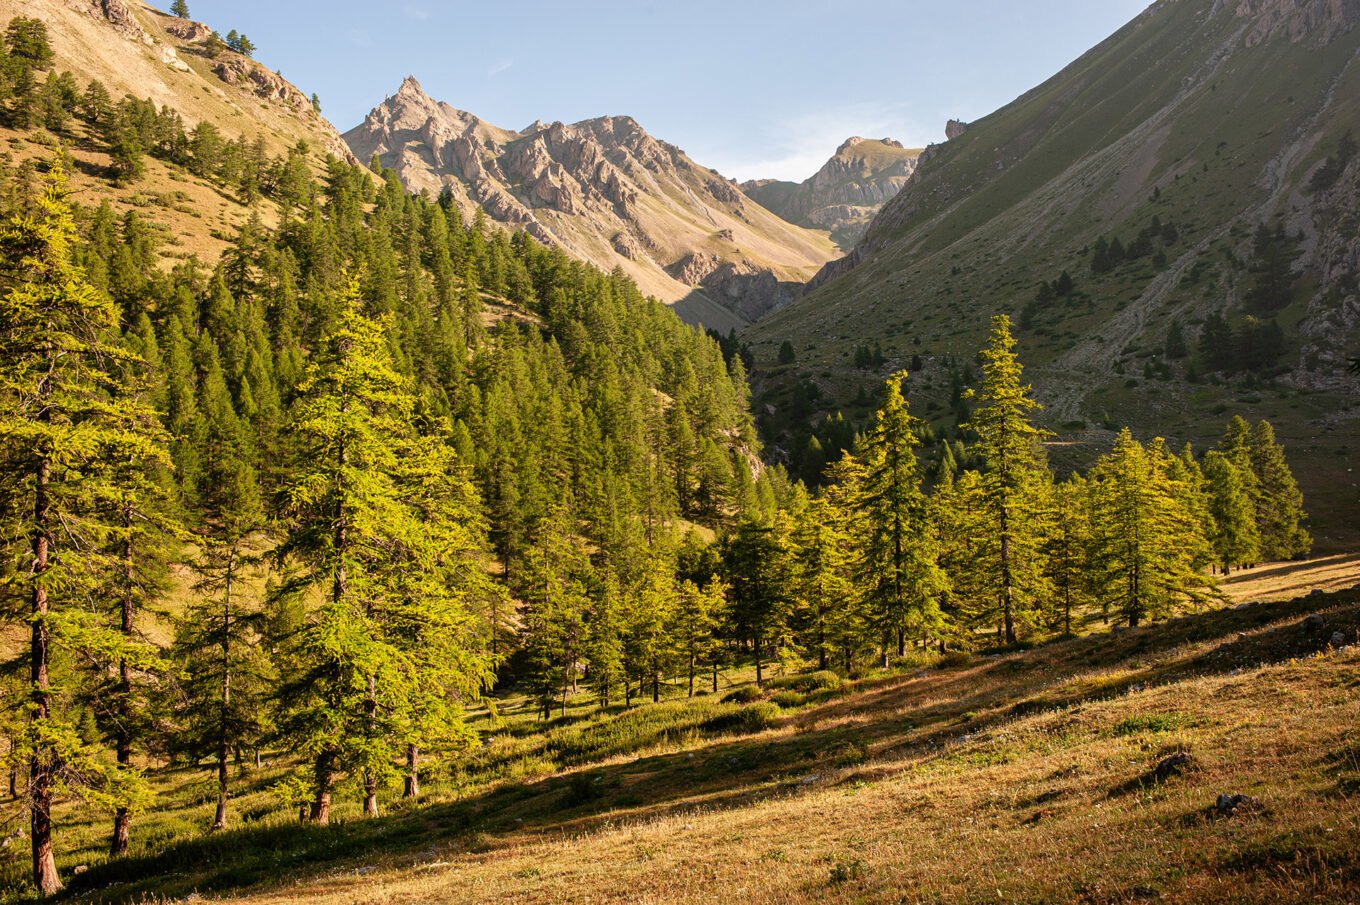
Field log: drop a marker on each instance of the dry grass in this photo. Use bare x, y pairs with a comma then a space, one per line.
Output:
1019, 778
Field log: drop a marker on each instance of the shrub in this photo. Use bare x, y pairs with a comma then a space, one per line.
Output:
751, 718
744, 695
808, 682
788, 698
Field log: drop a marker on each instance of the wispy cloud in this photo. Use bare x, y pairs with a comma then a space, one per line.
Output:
499, 67
416, 13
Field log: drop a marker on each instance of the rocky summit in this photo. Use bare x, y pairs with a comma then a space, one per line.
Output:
845, 194
607, 192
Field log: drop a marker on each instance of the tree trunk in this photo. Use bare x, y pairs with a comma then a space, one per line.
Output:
223, 741
901, 643
122, 817
40, 765
715, 678
412, 772
370, 777
325, 781
760, 675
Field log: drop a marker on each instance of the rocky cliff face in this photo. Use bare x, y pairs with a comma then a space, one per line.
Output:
845, 194
606, 191
1317, 22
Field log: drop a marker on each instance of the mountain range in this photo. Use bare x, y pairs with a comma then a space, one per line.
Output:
608, 192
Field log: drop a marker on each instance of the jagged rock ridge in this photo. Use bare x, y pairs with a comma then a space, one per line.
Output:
846, 193
605, 191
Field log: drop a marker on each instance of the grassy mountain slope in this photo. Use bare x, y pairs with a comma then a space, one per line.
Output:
135, 49
1211, 117
607, 192
1025, 777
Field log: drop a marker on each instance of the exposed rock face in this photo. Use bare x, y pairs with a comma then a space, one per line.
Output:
845, 194
604, 190
954, 129
1316, 22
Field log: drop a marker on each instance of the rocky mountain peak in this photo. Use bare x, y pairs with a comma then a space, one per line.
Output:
605, 190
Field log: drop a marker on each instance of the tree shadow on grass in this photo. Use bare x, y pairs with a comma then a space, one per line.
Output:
888, 726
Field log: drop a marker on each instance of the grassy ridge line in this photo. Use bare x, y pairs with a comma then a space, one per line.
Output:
1019, 774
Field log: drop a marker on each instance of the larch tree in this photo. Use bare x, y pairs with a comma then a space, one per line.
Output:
898, 552
360, 673
1068, 551
220, 642
1235, 537
1013, 486
66, 437
1280, 515
1148, 544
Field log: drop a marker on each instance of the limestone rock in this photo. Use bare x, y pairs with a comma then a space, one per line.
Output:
602, 189
954, 129
846, 193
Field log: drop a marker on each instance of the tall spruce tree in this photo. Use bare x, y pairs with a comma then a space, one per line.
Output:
1012, 488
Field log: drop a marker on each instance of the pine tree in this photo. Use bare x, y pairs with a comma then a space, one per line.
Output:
66, 435
1280, 514
180, 8
1013, 486
898, 551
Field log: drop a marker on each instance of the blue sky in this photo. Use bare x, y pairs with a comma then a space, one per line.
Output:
750, 87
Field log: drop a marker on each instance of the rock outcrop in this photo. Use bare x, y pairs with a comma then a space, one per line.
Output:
954, 129
846, 193
133, 48
1316, 22
604, 190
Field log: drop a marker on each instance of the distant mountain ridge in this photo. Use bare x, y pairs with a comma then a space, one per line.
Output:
607, 192
845, 194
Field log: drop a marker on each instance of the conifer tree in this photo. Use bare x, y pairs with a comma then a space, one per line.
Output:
825, 577
1235, 538
1280, 515
1013, 486
898, 551
694, 623
1148, 543
220, 643
360, 674
65, 435
1068, 552
180, 8
140, 550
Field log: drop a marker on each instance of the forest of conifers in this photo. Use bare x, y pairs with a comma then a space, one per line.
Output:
378, 461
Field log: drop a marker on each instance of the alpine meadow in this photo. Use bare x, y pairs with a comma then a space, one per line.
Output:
438, 512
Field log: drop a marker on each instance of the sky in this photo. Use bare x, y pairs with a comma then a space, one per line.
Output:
752, 88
